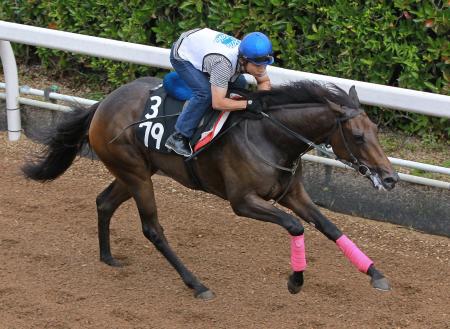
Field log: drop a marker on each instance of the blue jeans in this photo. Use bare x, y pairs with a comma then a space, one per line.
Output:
201, 98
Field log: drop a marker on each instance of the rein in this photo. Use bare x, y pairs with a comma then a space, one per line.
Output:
292, 170
355, 163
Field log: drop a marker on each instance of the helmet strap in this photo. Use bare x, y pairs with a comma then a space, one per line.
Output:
243, 62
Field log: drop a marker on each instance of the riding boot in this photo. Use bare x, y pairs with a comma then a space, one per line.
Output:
179, 144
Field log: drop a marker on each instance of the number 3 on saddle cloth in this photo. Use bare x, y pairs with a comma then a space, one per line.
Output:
161, 112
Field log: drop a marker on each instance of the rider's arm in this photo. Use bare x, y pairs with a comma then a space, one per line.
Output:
220, 70
263, 83
221, 102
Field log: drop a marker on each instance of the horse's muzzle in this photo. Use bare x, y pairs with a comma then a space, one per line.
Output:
381, 179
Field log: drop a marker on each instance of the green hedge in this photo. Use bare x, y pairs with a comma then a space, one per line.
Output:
397, 43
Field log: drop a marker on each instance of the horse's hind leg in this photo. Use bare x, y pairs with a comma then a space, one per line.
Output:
107, 203
145, 200
299, 201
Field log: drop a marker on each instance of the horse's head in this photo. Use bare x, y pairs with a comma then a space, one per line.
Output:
355, 140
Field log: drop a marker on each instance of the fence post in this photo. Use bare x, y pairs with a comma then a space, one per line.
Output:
12, 90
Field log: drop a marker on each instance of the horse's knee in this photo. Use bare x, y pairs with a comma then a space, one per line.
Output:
291, 224
295, 229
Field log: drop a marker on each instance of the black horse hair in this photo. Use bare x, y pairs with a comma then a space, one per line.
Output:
305, 91
62, 144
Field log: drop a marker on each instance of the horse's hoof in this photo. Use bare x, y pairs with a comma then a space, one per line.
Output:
293, 288
205, 295
111, 262
381, 284
295, 282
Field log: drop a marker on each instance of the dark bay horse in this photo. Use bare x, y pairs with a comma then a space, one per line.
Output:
242, 167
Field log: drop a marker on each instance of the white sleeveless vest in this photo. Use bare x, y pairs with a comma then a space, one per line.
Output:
204, 42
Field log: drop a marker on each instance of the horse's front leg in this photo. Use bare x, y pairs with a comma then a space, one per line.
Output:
253, 206
299, 201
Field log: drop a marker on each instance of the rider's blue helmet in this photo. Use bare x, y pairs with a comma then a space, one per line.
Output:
256, 48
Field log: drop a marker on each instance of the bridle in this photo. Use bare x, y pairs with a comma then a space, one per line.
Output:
354, 162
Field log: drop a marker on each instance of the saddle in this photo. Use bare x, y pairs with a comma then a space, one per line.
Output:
161, 111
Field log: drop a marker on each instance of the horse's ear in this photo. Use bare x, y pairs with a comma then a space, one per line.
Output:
335, 107
354, 96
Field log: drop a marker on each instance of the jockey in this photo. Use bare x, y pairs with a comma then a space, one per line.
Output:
208, 61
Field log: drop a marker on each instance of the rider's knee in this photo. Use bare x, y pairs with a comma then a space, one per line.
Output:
203, 94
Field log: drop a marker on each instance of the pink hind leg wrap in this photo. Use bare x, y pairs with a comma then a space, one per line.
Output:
298, 255
352, 252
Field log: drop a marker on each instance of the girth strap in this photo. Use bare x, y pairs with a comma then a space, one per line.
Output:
192, 173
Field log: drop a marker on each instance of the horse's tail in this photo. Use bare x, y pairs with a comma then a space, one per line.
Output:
63, 143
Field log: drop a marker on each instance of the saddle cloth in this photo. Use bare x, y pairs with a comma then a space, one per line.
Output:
160, 115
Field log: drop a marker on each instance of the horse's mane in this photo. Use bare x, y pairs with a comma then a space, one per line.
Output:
305, 91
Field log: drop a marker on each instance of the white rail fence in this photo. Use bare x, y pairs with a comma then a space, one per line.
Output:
369, 93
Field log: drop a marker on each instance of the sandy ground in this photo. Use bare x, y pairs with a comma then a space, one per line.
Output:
50, 275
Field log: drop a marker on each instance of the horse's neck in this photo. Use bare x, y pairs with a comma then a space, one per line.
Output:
315, 123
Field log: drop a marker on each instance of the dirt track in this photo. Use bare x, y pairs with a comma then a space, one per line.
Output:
51, 276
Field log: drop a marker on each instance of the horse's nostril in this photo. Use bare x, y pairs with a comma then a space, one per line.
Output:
389, 180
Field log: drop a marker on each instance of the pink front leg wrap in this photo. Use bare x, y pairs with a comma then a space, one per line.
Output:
352, 252
298, 255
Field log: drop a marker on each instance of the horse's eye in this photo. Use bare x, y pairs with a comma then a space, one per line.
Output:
359, 139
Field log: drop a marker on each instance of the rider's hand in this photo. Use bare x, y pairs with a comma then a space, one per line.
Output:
254, 106
253, 110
